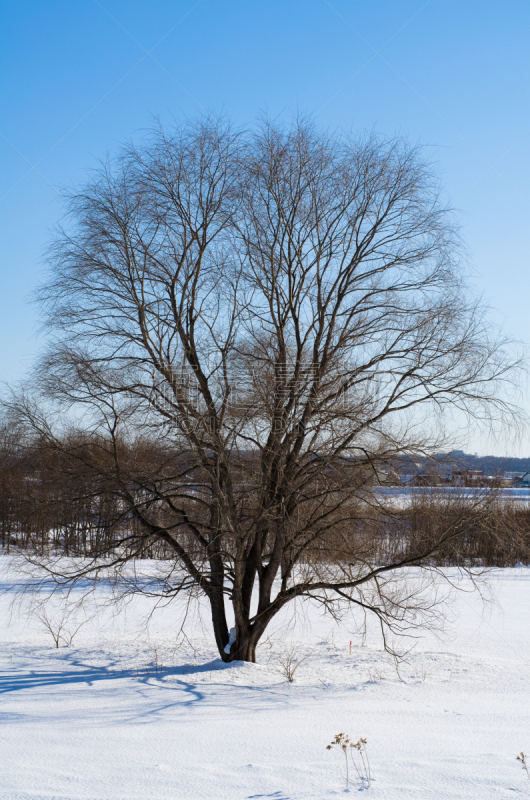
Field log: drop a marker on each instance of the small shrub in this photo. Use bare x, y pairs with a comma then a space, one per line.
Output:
356, 753
522, 758
289, 662
62, 625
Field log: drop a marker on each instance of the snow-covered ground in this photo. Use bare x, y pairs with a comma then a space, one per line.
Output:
131, 710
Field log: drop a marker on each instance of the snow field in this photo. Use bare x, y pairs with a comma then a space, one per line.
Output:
130, 710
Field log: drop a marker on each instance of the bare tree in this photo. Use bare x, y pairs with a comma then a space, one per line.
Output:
281, 312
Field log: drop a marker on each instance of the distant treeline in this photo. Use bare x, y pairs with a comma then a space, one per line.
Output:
490, 465
68, 499
495, 465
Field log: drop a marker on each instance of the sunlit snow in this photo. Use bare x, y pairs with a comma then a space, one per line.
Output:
135, 710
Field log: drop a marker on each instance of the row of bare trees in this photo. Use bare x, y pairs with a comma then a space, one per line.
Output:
65, 499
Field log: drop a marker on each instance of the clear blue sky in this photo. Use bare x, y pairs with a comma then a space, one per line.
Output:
80, 77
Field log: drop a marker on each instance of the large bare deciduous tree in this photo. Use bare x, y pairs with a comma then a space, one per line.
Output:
278, 312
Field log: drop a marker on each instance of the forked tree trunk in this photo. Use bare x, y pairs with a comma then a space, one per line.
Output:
243, 650
247, 639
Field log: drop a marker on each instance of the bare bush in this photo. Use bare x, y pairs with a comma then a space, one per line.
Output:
289, 661
354, 753
522, 758
60, 622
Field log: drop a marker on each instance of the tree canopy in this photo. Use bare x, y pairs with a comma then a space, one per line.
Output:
276, 314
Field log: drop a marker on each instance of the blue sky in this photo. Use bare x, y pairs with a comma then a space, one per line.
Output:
79, 78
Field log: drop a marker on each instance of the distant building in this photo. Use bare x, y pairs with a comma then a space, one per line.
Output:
430, 480
525, 480
388, 477
475, 478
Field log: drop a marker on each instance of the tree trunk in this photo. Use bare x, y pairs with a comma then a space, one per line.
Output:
243, 649
220, 627
247, 640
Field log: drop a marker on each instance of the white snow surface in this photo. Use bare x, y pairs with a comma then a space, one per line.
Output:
232, 636
135, 710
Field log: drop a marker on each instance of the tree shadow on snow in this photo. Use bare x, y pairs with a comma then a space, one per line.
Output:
276, 795
78, 672
172, 679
